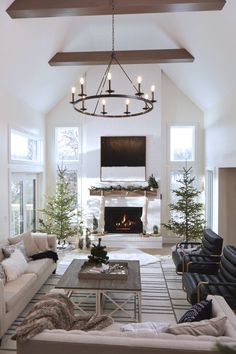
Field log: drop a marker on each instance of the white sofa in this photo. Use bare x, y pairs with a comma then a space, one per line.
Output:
16, 294
116, 342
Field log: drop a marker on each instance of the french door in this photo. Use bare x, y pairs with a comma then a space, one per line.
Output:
23, 202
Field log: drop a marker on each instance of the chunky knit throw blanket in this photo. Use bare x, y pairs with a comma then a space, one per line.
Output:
56, 311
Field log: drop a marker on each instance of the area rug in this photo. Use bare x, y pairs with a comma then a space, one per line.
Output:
122, 254
163, 299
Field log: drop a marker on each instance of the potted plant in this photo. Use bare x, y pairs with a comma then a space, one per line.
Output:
187, 217
155, 230
60, 215
152, 182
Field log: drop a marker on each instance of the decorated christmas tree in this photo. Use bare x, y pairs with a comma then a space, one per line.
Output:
98, 254
187, 218
60, 213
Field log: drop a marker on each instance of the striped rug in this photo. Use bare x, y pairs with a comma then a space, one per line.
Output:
163, 299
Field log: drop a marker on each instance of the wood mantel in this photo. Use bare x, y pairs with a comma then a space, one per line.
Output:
124, 193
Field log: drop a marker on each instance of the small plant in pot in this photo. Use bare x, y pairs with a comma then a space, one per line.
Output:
152, 182
95, 225
155, 230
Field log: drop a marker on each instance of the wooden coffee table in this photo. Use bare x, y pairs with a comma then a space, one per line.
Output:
104, 288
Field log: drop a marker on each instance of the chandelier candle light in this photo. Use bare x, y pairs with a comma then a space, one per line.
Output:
89, 104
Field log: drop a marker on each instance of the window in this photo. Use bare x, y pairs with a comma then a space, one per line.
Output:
67, 144
24, 147
182, 141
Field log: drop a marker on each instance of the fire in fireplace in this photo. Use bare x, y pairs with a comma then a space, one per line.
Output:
123, 220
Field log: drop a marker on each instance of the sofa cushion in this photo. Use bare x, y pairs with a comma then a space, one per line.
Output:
14, 291
39, 267
15, 239
41, 241
30, 244
198, 312
15, 265
213, 327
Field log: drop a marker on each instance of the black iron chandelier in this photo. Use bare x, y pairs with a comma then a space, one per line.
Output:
100, 104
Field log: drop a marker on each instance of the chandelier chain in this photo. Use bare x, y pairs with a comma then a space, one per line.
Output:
113, 27
102, 95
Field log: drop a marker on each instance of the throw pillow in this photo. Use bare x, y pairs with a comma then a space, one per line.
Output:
213, 327
30, 244
8, 250
199, 312
154, 327
2, 274
15, 265
15, 239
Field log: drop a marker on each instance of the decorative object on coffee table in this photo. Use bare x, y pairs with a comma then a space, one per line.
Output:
98, 254
115, 270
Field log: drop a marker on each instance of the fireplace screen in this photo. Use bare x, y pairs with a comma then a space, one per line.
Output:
123, 220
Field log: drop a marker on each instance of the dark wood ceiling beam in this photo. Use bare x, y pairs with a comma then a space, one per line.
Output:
56, 8
155, 56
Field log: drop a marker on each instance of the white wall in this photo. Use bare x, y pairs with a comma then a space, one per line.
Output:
220, 152
13, 114
220, 126
177, 108
172, 106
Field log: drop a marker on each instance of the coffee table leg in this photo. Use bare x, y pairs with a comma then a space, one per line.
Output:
98, 302
139, 306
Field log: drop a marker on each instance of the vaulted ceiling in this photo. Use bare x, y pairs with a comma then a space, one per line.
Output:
28, 44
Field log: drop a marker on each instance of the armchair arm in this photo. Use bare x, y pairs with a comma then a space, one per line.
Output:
216, 259
2, 308
52, 242
188, 265
213, 256
206, 283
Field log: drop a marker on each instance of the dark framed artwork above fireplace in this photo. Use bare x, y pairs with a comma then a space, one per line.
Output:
123, 158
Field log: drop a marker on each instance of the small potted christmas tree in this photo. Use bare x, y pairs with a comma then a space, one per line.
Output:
152, 182
187, 213
98, 254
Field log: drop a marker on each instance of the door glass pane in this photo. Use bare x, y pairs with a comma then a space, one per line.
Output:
23, 203
29, 203
182, 143
16, 207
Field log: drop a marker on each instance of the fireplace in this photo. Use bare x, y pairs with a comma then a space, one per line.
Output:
123, 220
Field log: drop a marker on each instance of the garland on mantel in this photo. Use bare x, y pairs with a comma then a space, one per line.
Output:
130, 188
